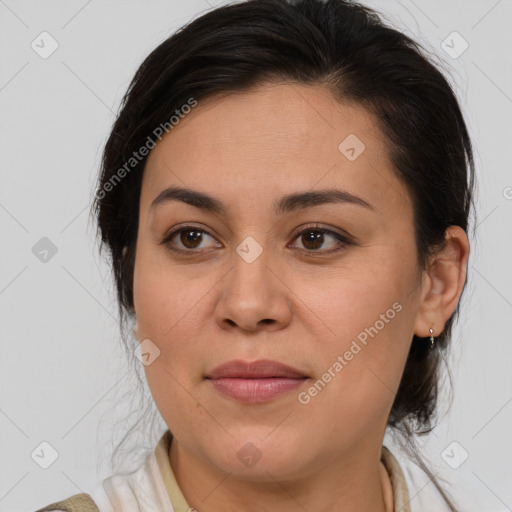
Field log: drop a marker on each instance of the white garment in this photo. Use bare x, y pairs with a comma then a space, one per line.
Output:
144, 490
423, 495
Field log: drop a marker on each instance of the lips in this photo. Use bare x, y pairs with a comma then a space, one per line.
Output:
261, 369
255, 382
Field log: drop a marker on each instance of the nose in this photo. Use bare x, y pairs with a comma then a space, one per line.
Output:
254, 295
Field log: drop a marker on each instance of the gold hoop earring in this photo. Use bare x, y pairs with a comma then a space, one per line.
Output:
431, 338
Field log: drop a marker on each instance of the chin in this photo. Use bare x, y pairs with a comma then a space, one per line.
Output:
254, 455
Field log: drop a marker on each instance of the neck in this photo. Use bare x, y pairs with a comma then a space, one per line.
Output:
355, 482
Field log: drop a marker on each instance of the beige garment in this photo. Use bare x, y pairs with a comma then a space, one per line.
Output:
77, 503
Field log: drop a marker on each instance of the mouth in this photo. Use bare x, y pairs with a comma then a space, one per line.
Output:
255, 382
260, 369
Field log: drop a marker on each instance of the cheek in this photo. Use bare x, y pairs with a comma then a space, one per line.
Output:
169, 305
173, 305
168, 298
366, 321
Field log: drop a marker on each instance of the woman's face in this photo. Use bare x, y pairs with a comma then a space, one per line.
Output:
258, 279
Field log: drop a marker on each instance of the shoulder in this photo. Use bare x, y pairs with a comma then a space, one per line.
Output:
413, 490
424, 495
77, 503
142, 489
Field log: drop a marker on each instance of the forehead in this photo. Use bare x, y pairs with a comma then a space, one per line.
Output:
271, 140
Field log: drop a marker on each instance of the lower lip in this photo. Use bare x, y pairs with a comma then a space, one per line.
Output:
255, 390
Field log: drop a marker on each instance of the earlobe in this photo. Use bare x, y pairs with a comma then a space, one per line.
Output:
446, 277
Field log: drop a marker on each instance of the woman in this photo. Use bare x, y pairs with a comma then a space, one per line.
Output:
285, 196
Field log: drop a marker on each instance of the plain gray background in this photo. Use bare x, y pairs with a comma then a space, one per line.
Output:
62, 369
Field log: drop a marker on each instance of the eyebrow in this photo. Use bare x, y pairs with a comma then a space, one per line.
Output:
285, 204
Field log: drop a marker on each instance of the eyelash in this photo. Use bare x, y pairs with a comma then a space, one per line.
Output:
343, 241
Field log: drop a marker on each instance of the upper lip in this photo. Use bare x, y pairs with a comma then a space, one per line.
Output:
260, 369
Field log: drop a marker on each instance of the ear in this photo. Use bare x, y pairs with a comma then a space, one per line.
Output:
443, 283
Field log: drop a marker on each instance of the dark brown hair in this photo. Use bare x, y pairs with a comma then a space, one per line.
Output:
348, 48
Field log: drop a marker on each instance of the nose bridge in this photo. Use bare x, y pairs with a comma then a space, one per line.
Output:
251, 291
251, 270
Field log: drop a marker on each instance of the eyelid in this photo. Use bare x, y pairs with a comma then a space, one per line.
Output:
317, 226
182, 227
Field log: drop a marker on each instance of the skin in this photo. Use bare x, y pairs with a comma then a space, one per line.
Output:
209, 306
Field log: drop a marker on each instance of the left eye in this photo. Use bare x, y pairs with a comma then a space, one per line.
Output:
312, 238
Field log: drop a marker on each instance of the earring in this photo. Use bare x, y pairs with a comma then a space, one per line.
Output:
431, 338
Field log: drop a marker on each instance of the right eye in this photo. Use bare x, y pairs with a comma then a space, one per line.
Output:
190, 238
